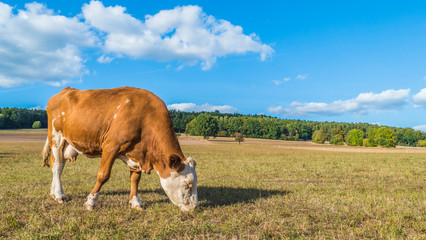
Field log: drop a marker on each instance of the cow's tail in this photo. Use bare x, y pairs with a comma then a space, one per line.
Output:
46, 154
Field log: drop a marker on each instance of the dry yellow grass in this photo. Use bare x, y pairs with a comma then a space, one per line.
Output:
253, 190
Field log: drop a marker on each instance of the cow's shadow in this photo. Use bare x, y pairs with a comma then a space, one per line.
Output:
223, 196
209, 196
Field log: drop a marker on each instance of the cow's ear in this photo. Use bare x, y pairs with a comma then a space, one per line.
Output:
174, 161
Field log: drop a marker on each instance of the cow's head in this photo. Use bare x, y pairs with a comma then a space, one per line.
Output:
181, 186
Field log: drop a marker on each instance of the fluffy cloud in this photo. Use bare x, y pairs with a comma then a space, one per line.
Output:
420, 127
105, 59
362, 104
420, 99
183, 33
37, 45
192, 107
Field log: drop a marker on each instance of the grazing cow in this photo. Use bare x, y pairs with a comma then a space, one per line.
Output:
127, 123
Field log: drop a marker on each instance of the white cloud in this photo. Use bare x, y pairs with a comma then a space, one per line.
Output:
38, 108
276, 110
364, 103
420, 127
302, 76
105, 59
37, 45
279, 82
40, 45
192, 107
184, 33
420, 99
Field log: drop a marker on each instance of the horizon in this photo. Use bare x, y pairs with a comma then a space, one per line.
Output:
353, 62
248, 115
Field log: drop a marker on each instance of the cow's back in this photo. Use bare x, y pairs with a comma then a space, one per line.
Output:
88, 118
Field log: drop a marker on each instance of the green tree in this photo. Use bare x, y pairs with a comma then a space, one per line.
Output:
371, 140
204, 125
251, 127
2, 121
37, 124
355, 138
318, 137
386, 137
411, 137
234, 124
337, 139
292, 131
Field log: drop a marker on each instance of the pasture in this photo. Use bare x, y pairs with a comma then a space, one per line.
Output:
260, 189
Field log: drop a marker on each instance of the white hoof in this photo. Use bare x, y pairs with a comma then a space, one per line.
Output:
88, 207
136, 203
60, 199
92, 201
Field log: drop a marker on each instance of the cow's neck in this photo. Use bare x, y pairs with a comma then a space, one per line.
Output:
160, 149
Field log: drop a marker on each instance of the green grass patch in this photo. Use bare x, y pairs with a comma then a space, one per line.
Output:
245, 191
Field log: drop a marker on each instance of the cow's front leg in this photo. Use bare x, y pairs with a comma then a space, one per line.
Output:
104, 172
135, 202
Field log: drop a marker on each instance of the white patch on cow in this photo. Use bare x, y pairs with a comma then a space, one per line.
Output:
119, 106
115, 115
135, 201
130, 163
181, 188
92, 200
127, 100
56, 189
63, 113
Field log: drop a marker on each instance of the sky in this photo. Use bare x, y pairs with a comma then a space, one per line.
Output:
344, 61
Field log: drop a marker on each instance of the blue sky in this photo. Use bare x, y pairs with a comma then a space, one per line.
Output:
351, 61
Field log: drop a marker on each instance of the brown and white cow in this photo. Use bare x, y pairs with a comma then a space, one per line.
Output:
125, 123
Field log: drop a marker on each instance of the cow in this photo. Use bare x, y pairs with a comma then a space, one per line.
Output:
125, 123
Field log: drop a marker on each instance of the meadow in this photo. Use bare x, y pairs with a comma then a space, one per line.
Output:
260, 189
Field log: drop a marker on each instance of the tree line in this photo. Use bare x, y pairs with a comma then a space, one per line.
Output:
255, 126
259, 126
14, 118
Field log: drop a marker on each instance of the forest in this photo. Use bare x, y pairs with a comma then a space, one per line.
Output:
260, 126
16, 118
255, 126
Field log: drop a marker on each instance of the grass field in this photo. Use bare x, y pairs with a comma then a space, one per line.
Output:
252, 190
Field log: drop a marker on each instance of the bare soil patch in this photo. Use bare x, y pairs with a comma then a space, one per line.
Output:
23, 136
303, 145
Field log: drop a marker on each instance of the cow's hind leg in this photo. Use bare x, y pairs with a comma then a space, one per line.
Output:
58, 164
104, 172
134, 200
